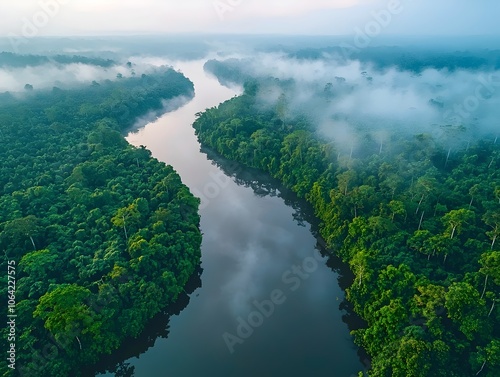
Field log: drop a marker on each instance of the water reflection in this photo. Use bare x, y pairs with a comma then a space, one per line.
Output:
264, 185
256, 235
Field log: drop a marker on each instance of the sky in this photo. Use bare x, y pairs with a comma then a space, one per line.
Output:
30, 18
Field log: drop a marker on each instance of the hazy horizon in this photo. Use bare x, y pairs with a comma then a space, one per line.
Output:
39, 18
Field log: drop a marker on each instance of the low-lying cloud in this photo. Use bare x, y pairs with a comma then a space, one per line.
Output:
64, 76
344, 98
49, 75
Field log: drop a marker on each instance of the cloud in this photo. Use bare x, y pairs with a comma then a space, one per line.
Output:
48, 75
51, 74
345, 100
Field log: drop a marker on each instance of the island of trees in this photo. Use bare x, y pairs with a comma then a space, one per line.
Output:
419, 228
102, 235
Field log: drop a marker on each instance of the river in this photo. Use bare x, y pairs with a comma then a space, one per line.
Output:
268, 304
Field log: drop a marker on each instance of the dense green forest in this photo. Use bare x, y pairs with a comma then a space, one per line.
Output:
417, 225
102, 235
8, 59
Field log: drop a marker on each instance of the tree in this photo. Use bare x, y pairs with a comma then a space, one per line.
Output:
362, 197
466, 308
429, 301
441, 244
17, 229
386, 326
473, 192
490, 266
63, 310
127, 216
282, 108
397, 208
421, 242
490, 355
345, 179
492, 219
425, 186
456, 219
40, 264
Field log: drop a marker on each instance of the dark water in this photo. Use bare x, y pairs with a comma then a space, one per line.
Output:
267, 302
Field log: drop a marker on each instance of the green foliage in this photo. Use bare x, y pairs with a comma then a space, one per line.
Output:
71, 186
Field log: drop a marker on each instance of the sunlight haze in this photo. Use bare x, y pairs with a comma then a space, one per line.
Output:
317, 17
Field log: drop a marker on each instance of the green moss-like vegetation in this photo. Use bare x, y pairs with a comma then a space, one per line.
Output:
103, 236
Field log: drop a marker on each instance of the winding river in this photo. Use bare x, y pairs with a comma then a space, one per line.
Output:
268, 303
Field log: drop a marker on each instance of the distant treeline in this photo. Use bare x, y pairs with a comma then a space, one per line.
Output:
8, 59
409, 59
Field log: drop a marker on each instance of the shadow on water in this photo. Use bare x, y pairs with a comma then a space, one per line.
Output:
168, 106
157, 327
264, 185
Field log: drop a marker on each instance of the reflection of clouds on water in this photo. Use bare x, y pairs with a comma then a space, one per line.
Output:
152, 116
252, 242
259, 251
244, 283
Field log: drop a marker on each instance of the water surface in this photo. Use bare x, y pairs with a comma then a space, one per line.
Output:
268, 304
